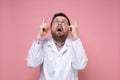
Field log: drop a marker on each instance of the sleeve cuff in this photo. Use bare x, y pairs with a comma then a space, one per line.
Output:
38, 40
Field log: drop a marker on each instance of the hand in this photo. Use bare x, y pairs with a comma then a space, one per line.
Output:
43, 29
74, 30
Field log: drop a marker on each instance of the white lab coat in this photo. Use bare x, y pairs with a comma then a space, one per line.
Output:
57, 65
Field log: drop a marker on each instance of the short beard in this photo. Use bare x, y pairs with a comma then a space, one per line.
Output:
59, 37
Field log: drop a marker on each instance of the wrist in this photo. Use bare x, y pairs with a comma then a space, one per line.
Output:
75, 36
39, 36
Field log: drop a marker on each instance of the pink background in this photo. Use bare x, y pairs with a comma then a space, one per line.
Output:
99, 29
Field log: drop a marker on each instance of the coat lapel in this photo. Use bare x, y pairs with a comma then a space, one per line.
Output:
54, 49
52, 46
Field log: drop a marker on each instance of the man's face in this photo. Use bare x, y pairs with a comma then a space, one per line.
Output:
60, 29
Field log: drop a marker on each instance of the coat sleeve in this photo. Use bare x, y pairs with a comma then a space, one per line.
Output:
35, 55
79, 58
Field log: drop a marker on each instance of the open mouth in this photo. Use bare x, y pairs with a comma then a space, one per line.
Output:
60, 30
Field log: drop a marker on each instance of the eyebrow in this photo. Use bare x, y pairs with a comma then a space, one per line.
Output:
62, 19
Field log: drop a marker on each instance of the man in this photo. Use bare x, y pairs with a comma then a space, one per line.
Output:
62, 55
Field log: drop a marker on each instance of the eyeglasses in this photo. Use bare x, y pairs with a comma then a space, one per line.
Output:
63, 22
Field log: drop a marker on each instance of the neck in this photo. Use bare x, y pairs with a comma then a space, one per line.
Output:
59, 43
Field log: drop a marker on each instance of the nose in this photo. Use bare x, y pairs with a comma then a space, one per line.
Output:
59, 23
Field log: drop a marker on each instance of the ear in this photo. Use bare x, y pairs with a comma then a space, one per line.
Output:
70, 28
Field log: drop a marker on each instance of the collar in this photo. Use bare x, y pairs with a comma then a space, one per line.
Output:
59, 44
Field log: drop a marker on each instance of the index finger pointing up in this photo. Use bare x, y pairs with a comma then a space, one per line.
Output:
75, 23
43, 21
